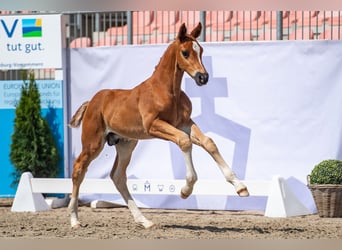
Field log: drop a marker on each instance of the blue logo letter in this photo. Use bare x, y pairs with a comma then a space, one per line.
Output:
9, 33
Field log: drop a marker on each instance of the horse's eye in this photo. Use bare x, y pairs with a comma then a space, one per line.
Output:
185, 53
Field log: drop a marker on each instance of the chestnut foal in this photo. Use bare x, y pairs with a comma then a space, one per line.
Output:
157, 108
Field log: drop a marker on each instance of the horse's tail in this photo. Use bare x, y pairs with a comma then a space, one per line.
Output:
76, 120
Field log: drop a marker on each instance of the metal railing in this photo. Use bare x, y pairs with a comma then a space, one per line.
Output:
87, 29
146, 27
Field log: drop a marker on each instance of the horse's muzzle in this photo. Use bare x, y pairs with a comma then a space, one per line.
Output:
201, 78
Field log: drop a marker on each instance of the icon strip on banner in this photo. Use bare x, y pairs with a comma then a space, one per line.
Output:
144, 186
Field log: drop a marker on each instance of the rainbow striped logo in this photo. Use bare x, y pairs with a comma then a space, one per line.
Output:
32, 27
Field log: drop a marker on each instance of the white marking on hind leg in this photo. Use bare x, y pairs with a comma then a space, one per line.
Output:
73, 206
138, 216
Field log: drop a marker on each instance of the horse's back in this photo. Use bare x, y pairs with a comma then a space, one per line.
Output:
109, 99
112, 94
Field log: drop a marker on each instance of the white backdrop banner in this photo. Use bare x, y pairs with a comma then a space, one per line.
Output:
273, 108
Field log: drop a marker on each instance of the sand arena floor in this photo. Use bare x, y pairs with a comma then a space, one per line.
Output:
117, 223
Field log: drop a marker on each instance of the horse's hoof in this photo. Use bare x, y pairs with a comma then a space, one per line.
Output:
243, 192
183, 196
76, 226
148, 224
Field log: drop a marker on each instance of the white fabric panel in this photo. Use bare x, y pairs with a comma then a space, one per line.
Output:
273, 108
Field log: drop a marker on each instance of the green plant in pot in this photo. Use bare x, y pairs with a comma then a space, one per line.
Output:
325, 183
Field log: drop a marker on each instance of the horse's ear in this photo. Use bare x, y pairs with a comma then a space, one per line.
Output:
196, 31
182, 32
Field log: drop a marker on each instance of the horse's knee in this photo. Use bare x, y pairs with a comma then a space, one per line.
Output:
185, 143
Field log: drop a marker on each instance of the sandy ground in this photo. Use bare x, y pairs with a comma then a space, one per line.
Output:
117, 223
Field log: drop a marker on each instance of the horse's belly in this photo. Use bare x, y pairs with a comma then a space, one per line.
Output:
128, 129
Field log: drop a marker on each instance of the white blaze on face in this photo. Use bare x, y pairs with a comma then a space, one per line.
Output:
197, 49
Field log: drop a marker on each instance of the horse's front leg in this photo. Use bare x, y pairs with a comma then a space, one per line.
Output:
164, 130
209, 145
191, 176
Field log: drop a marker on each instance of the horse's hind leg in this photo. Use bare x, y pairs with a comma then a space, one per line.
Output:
209, 145
92, 146
79, 170
124, 151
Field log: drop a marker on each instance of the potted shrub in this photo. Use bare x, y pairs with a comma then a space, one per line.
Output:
325, 183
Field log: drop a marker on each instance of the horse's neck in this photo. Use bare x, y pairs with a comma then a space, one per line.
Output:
167, 72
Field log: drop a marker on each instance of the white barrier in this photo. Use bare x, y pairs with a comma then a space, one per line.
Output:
281, 200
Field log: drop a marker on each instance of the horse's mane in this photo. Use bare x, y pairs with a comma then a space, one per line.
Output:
170, 46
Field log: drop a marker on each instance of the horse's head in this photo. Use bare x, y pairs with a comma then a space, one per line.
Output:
189, 54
